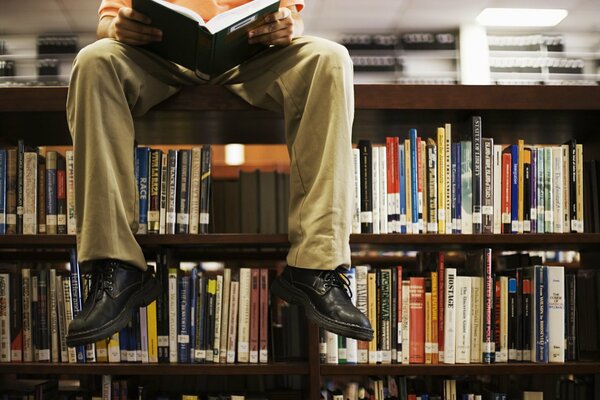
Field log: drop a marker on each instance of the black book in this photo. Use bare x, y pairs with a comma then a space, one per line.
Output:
527, 190
513, 331
43, 320
16, 315
182, 223
477, 174
205, 188
366, 186
572, 184
162, 307
588, 328
249, 218
487, 201
20, 187
208, 48
267, 183
570, 317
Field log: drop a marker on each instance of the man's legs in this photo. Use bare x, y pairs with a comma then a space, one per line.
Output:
110, 83
311, 82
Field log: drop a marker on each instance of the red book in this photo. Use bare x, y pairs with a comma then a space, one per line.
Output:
417, 320
506, 194
254, 314
393, 184
263, 356
441, 297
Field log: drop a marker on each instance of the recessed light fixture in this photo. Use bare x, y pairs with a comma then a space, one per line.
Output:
521, 17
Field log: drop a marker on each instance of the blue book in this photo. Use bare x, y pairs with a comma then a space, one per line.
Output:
541, 313
514, 188
183, 324
456, 189
193, 305
124, 343
413, 180
3, 173
142, 165
76, 299
402, 185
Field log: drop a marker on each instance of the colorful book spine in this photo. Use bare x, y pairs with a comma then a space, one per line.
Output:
183, 319
393, 184
402, 188
487, 179
456, 189
416, 206
408, 176
477, 186
263, 356
514, 189
154, 191
432, 187
70, 176
61, 195
497, 179
441, 182
520, 183
142, 158
579, 163
488, 350
533, 191
526, 153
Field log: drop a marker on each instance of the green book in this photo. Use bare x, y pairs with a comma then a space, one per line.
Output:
209, 48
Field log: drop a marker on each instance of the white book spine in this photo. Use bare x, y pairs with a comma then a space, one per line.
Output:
383, 208
405, 322
375, 188
144, 334
557, 188
351, 344
356, 213
70, 173
66, 291
556, 314
195, 190
450, 316
476, 318
225, 315
173, 304
243, 342
332, 347
463, 320
497, 163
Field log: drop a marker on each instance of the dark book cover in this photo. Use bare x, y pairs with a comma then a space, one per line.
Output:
172, 188
206, 181
142, 165
2, 191
20, 188
201, 320
76, 298
254, 314
11, 191
188, 41
61, 195
16, 315
477, 173
154, 191
183, 320
487, 199
571, 317
35, 310
41, 195
267, 183
51, 200
162, 307
588, 328
456, 188
233, 207
249, 203
513, 331
182, 208
527, 189
43, 317
366, 186
525, 286
211, 303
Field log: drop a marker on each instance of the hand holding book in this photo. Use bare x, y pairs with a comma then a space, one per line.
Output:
132, 27
277, 29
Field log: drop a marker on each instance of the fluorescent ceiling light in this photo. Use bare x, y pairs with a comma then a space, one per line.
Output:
521, 16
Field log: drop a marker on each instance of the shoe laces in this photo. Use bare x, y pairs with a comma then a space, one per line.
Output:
103, 279
336, 278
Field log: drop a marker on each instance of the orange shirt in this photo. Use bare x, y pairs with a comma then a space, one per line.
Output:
205, 8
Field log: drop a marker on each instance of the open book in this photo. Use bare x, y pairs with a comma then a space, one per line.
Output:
209, 48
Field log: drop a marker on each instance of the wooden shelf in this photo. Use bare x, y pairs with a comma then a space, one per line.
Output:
462, 369
155, 369
430, 242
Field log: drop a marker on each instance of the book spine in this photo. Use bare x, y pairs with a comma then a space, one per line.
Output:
513, 332
233, 318
61, 195
476, 331
357, 192
16, 315
441, 273
11, 191
51, 223
449, 176
533, 190
526, 190
450, 316
488, 308
556, 314
386, 316
142, 156
392, 183
41, 192
434, 318
432, 186
20, 181
67, 297
76, 298
487, 201
541, 314
497, 319
164, 194
226, 290
244, 316
463, 319
540, 171
195, 190
414, 181
171, 204
53, 315
566, 205
142, 328
557, 188
372, 315
477, 174
514, 189
332, 348
154, 193
201, 323
193, 313
29, 193
263, 356
366, 186
579, 167
70, 176
352, 344
3, 178
398, 311
527, 314
205, 188
571, 317
456, 189
254, 315
503, 319
405, 321
427, 313
408, 183
402, 215
548, 192
520, 183
173, 311
182, 208
61, 317
572, 179
383, 201
422, 183
183, 319
362, 305
151, 320
5, 311
441, 183
466, 183
375, 188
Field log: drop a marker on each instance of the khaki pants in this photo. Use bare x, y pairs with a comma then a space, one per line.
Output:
310, 81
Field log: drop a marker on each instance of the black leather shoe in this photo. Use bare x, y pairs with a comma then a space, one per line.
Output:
326, 300
117, 289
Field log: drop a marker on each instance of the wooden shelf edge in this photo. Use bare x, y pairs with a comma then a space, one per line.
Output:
155, 369
367, 97
466, 369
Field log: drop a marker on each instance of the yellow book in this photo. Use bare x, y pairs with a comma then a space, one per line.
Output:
521, 148
448, 150
579, 185
526, 156
407, 174
441, 173
114, 349
423, 204
102, 351
152, 332
372, 314
189, 397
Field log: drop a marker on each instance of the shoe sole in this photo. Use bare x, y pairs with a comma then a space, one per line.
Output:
141, 298
290, 294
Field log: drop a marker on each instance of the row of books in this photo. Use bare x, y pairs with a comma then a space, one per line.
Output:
466, 315
467, 184
415, 388
37, 193
199, 318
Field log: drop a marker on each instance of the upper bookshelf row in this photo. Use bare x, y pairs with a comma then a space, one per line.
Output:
202, 114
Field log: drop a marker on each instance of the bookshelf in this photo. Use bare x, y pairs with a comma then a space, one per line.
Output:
537, 113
